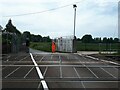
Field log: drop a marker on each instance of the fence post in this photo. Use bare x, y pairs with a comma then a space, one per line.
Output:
99, 48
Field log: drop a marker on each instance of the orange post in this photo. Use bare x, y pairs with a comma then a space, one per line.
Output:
53, 47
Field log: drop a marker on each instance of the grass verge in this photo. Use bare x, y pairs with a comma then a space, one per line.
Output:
42, 46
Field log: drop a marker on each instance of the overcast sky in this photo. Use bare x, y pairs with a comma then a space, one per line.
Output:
96, 17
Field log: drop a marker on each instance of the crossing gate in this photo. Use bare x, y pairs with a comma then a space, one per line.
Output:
65, 44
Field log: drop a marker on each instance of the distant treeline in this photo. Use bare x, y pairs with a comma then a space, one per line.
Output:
10, 33
89, 39
35, 38
10, 29
13, 39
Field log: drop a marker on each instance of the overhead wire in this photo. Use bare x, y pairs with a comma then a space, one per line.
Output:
42, 11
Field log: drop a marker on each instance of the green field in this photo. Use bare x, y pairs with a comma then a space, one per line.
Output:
46, 46
96, 46
43, 46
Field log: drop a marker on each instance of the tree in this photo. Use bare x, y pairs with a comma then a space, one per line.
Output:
11, 28
78, 39
46, 39
11, 38
97, 40
25, 35
1, 28
105, 40
110, 40
87, 39
116, 40
39, 38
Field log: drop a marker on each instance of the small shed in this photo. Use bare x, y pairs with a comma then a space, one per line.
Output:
65, 44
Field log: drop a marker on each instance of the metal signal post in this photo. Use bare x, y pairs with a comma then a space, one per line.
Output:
74, 6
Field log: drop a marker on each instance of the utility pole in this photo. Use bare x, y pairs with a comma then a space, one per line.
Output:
74, 6
74, 39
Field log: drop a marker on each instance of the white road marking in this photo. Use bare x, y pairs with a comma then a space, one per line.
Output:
28, 72
46, 65
39, 85
60, 66
4, 68
103, 60
59, 57
44, 85
60, 72
51, 57
68, 57
16, 57
23, 58
39, 73
52, 77
84, 57
37, 68
108, 73
85, 81
105, 64
42, 58
116, 68
8, 58
76, 72
20, 60
89, 69
82, 84
14, 62
80, 61
12, 72
71, 77
101, 81
92, 72
110, 62
45, 71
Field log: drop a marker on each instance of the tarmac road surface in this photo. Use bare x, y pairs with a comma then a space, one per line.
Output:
51, 71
